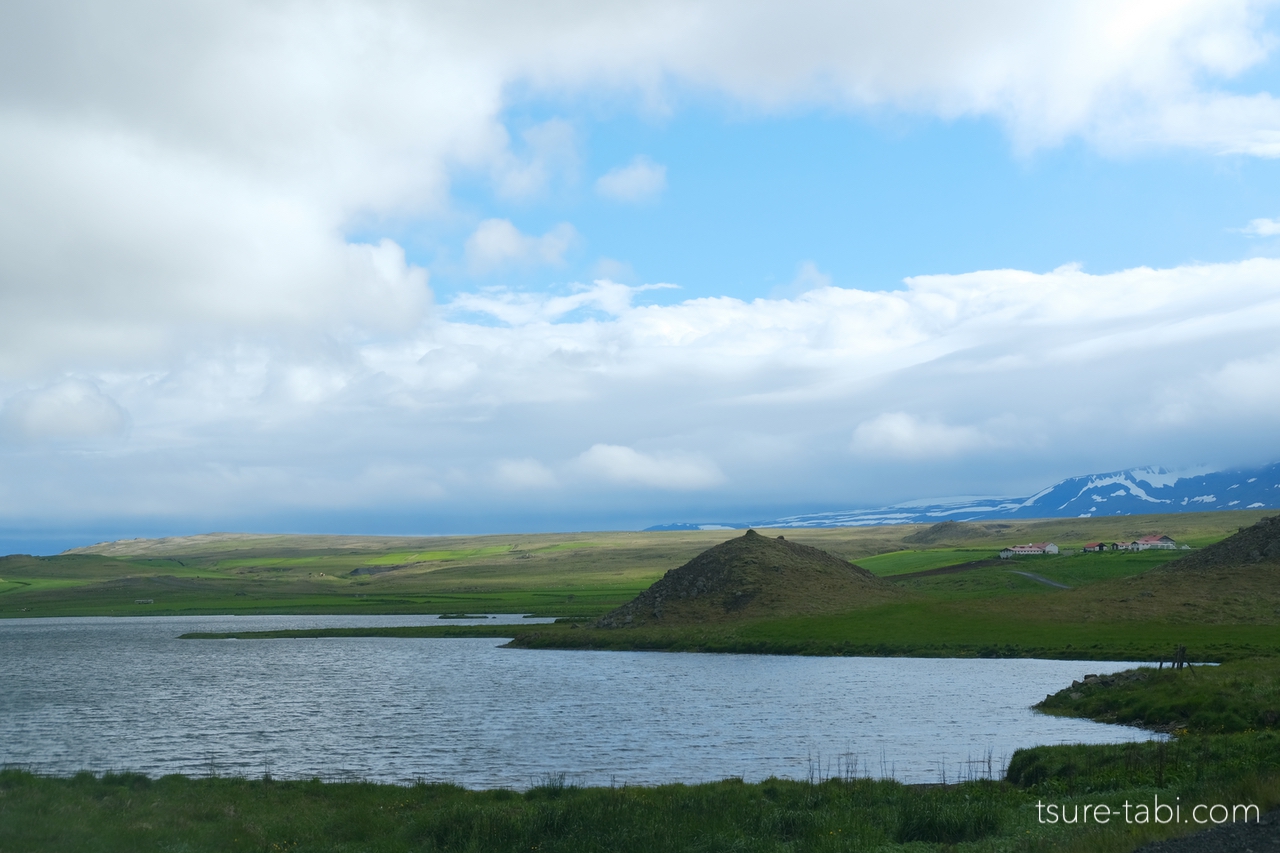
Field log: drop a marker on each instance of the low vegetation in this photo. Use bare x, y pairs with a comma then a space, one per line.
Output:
1239, 696
127, 812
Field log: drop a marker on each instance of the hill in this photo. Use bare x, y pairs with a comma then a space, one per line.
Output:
750, 577
1257, 543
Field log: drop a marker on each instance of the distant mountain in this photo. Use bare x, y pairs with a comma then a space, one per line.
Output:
1137, 491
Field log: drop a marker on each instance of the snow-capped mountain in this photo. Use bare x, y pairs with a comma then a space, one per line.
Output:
1137, 491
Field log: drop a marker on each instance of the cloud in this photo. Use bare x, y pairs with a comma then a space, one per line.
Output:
497, 244
623, 465
640, 180
71, 411
837, 396
1262, 227
552, 150
182, 183
515, 308
183, 178
904, 436
808, 277
524, 474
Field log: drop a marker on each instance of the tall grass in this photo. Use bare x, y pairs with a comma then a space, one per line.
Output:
127, 812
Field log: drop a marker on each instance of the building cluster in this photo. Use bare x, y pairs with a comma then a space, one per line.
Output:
1143, 544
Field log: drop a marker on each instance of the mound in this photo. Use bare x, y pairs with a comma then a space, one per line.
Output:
1255, 544
750, 577
945, 532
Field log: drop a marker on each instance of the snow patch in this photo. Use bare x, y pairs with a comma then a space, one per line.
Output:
1251, 479
1233, 503
1121, 480
1160, 477
1118, 493
1100, 499
1204, 499
1258, 505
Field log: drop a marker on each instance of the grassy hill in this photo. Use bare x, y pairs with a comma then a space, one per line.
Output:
753, 577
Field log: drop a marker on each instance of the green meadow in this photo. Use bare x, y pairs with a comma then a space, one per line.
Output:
955, 598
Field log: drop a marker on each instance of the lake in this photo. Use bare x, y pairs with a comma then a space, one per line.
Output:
125, 694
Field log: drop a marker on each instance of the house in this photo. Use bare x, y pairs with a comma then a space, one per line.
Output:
1095, 546
1029, 549
1153, 541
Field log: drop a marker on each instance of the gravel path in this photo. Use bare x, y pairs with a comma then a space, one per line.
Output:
1260, 837
1039, 579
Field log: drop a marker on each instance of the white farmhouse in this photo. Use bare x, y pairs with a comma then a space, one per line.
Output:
1029, 549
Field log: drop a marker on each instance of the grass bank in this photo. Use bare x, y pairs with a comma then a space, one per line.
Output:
1239, 696
127, 812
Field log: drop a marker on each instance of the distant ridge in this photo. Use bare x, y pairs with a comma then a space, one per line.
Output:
1135, 491
752, 576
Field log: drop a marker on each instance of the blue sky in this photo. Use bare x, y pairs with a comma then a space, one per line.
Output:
403, 268
870, 202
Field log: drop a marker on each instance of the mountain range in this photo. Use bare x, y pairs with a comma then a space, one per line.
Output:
1136, 491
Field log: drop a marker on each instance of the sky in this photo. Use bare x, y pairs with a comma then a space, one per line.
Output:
430, 268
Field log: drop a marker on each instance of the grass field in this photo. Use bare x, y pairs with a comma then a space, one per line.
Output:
1120, 605
904, 562
579, 575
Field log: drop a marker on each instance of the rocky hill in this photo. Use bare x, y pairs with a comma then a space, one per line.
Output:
1257, 543
750, 577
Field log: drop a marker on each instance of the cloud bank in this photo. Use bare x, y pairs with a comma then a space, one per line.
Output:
187, 324
594, 399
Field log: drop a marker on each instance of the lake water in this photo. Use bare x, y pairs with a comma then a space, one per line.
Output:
125, 694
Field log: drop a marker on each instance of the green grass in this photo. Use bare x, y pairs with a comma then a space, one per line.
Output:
902, 562
1237, 696
927, 629
1121, 606
127, 812
401, 557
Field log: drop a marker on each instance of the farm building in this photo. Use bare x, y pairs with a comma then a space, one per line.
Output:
1028, 550
1095, 546
1146, 543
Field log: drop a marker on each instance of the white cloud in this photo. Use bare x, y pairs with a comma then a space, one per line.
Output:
524, 474
716, 399
904, 436
496, 244
808, 277
70, 411
552, 150
1262, 227
182, 177
179, 181
640, 180
674, 471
